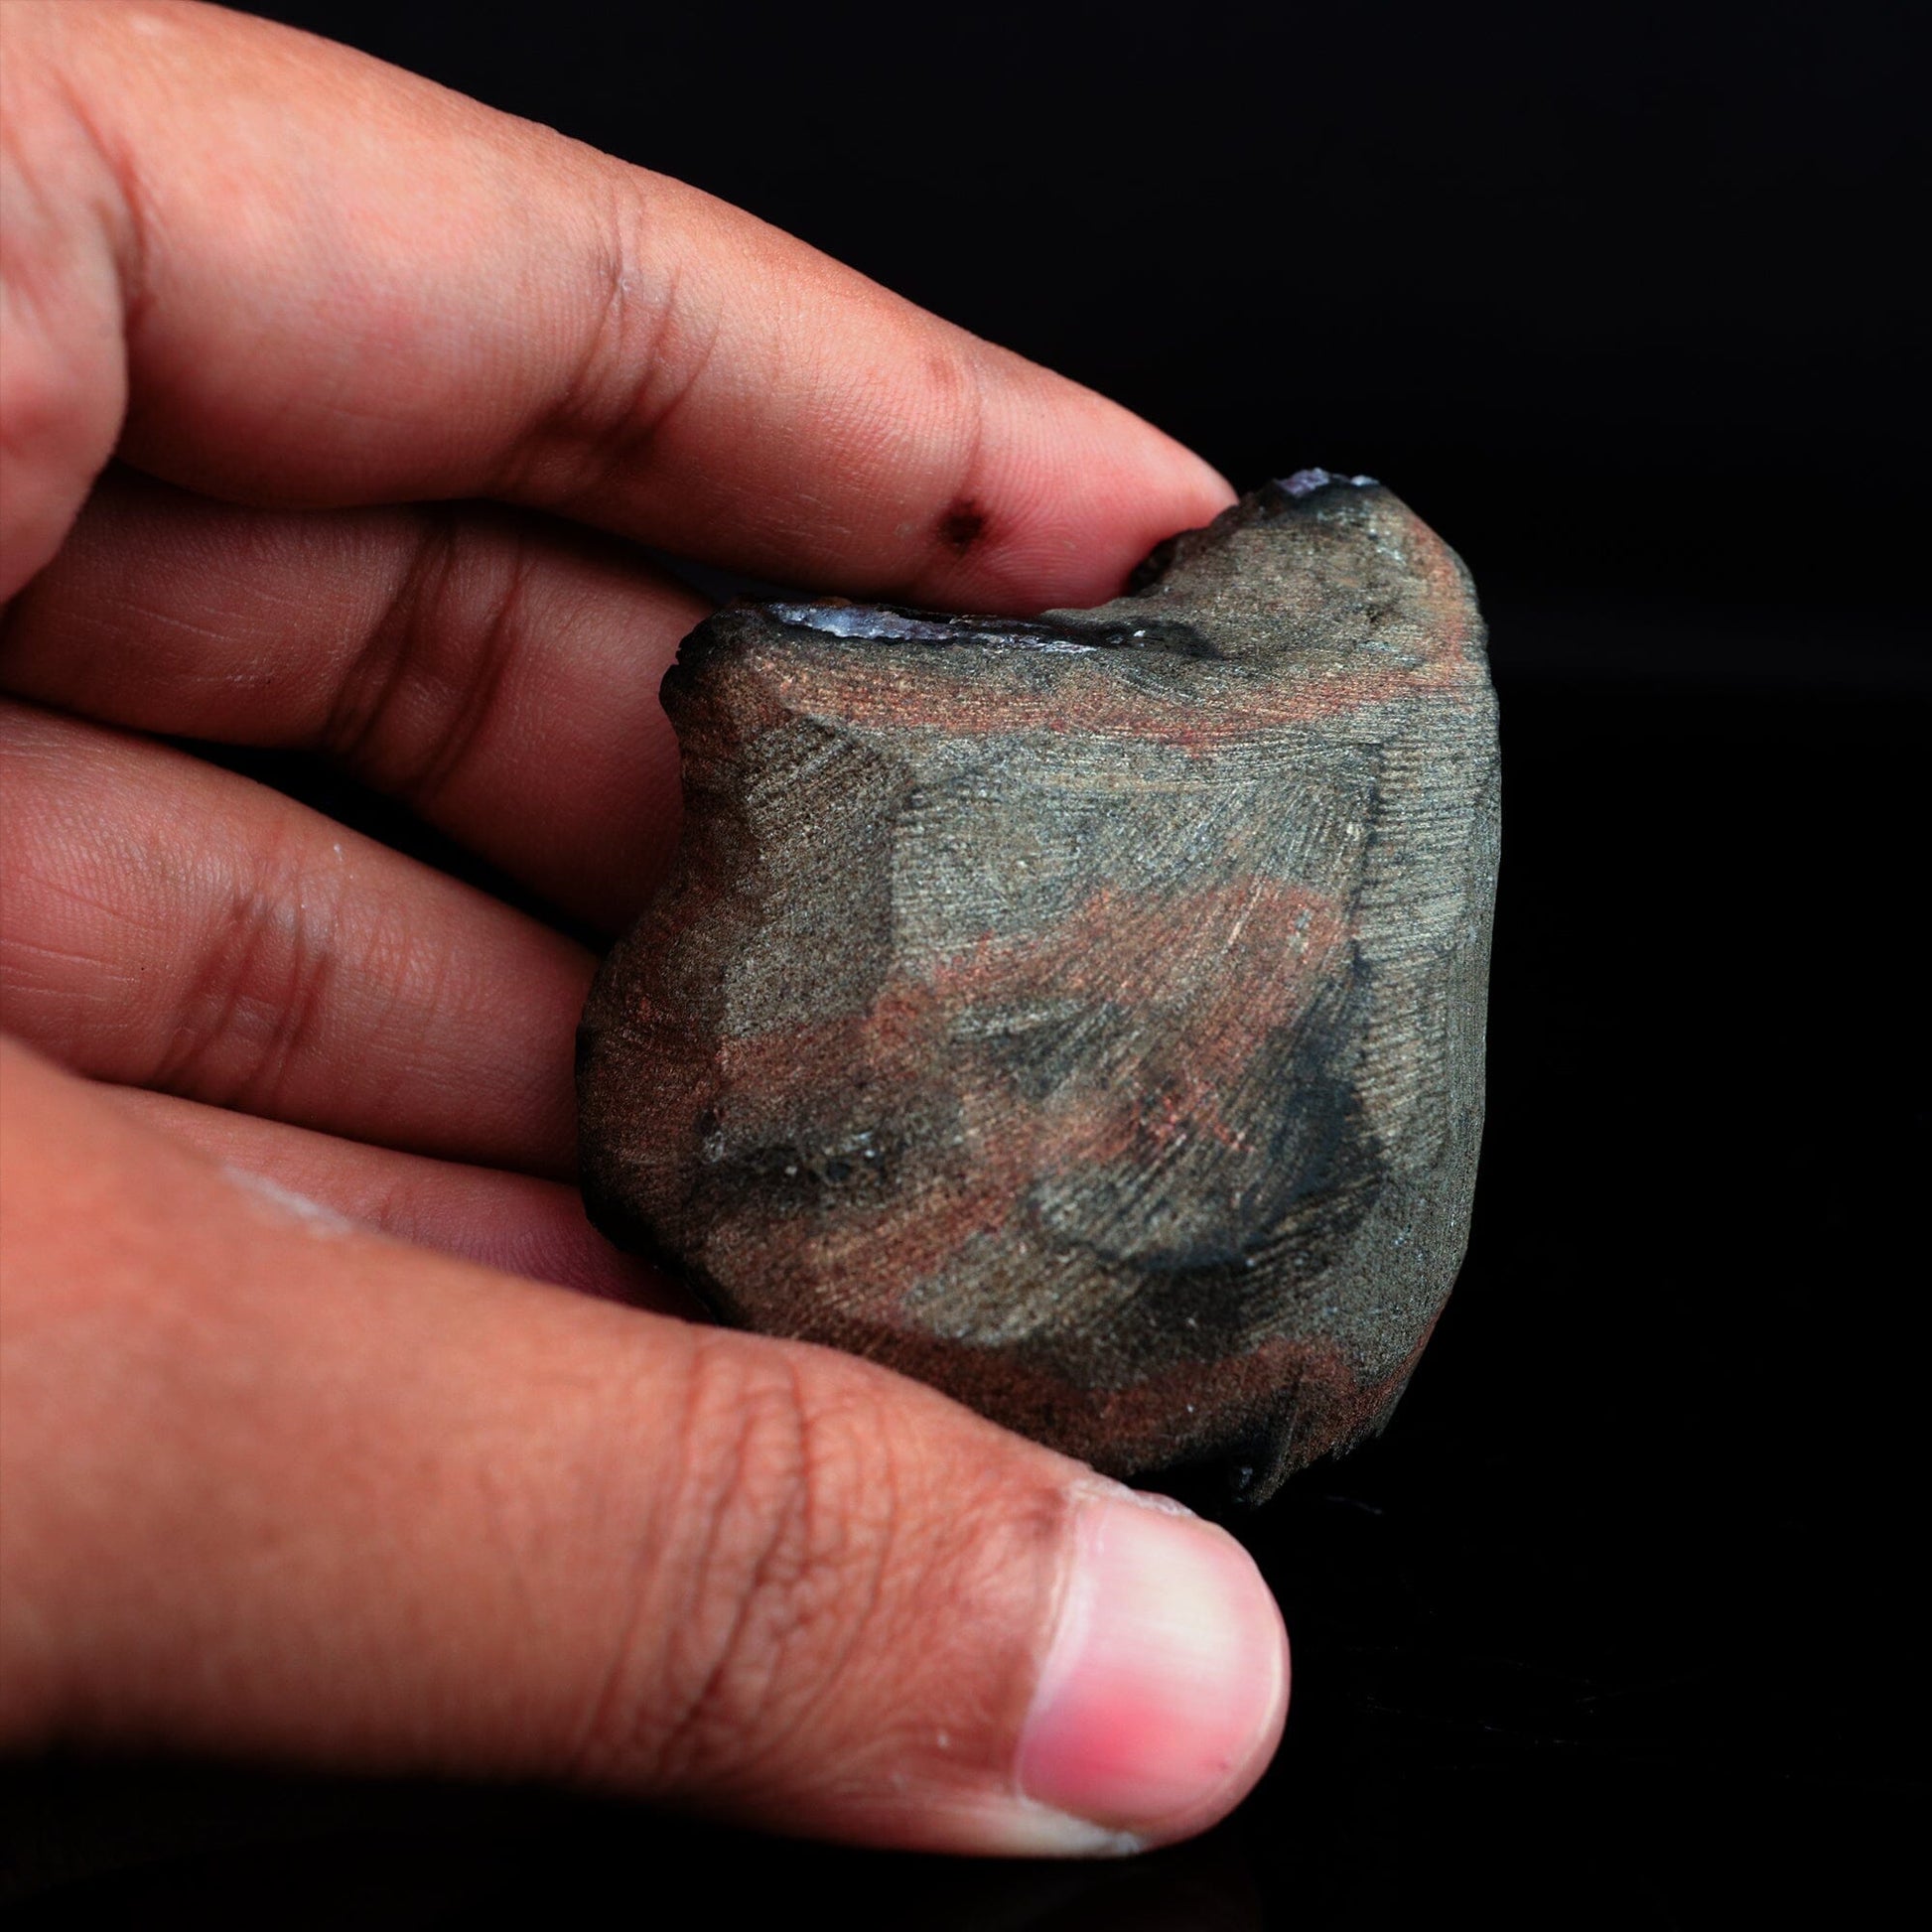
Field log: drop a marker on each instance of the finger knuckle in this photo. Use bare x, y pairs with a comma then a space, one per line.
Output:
256, 991
422, 692
632, 361
782, 1526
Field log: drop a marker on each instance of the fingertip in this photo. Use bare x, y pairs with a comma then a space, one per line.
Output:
1198, 492
1075, 491
1165, 1685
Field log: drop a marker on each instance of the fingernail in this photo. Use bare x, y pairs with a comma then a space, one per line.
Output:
1165, 1681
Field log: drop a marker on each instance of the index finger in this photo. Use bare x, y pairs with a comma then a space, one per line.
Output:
324, 281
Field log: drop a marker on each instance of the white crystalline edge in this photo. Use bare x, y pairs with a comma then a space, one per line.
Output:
1305, 483
858, 621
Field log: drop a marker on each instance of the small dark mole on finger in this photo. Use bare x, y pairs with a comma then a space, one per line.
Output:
962, 527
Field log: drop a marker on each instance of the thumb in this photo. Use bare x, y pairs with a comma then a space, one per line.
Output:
276, 1486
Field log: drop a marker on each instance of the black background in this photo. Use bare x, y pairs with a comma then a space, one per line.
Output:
1619, 1624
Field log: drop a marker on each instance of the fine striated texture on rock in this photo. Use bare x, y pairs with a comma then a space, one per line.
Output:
1083, 1013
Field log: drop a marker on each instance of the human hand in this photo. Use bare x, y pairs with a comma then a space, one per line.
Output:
328, 402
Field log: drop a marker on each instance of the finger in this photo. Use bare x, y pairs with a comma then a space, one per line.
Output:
324, 281
175, 927
512, 1222
497, 673
273, 1486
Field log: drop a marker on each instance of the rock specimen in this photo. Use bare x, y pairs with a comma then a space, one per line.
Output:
1083, 1013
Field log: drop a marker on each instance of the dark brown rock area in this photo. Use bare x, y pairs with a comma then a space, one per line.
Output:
1084, 1014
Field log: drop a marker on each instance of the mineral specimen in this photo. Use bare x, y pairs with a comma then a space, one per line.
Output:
1083, 1013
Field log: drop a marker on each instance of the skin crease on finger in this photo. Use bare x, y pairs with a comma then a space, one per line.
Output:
278, 1486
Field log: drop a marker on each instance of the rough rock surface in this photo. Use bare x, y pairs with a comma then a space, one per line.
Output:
1083, 1013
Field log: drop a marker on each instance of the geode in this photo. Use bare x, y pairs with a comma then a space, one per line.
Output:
1083, 1013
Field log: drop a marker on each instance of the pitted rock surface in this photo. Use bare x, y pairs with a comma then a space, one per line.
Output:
1084, 1014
